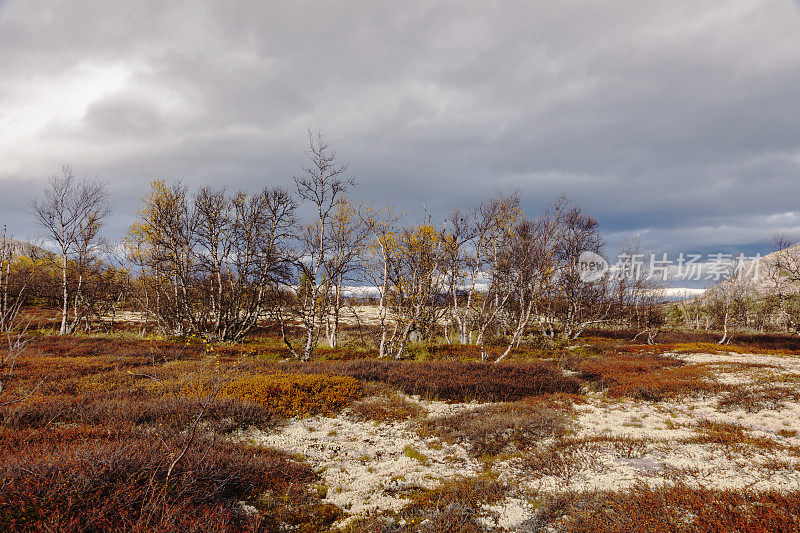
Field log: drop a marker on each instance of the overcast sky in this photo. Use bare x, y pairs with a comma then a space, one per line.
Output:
677, 120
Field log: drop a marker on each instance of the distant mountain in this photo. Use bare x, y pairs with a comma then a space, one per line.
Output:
24, 248
772, 271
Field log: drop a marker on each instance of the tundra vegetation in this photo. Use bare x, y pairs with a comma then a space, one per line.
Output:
139, 382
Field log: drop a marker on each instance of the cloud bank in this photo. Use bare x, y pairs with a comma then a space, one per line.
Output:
674, 120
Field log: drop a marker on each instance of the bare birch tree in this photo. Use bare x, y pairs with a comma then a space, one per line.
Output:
727, 301
639, 289
523, 270
322, 185
472, 250
579, 303
13, 324
783, 274
72, 213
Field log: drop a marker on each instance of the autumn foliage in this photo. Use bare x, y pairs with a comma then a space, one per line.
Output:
92, 448
294, 394
459, 380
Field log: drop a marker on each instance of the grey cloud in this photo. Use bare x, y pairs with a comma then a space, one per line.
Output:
671, 118
123, 117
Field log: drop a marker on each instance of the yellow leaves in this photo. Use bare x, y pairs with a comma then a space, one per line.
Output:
345, 211
385, 243
154, 223
507, 216
346, 222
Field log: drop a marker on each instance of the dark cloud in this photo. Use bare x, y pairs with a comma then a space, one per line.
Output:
670, 119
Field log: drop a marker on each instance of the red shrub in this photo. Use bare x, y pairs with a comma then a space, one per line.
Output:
463, 381
673, 509
102, 484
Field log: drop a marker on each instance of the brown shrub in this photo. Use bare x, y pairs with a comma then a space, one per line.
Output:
703, 341
671, 509
710, 432
116, 484
221, 415
490, 430
455, 506
626, 447
64, 365
563, 459
90, 450
733, 437
125, 351
455, 351
757, 399
600, 367
392, 407
458, 381
86, 451
714, 348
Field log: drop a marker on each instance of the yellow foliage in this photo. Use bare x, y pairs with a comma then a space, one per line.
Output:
295, 394
151, 227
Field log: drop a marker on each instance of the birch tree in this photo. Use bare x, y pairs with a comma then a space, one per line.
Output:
417, 286
211, 264
72, 213
381, 254
495, 223
349, 233
783, 274
579, 303
525, 272
322, 185
639, 289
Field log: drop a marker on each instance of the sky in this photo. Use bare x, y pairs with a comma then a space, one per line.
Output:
676, 120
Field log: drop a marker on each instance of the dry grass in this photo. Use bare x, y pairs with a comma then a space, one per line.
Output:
494, 429
670, 509
391, 407
453, 507
754, 399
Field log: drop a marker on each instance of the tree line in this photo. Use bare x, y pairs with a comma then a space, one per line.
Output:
218, 264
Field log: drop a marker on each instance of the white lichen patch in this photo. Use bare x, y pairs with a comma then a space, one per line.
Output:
616, 444
367, 465
622, 443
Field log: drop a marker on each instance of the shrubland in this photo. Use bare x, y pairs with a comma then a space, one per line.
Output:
129, 433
